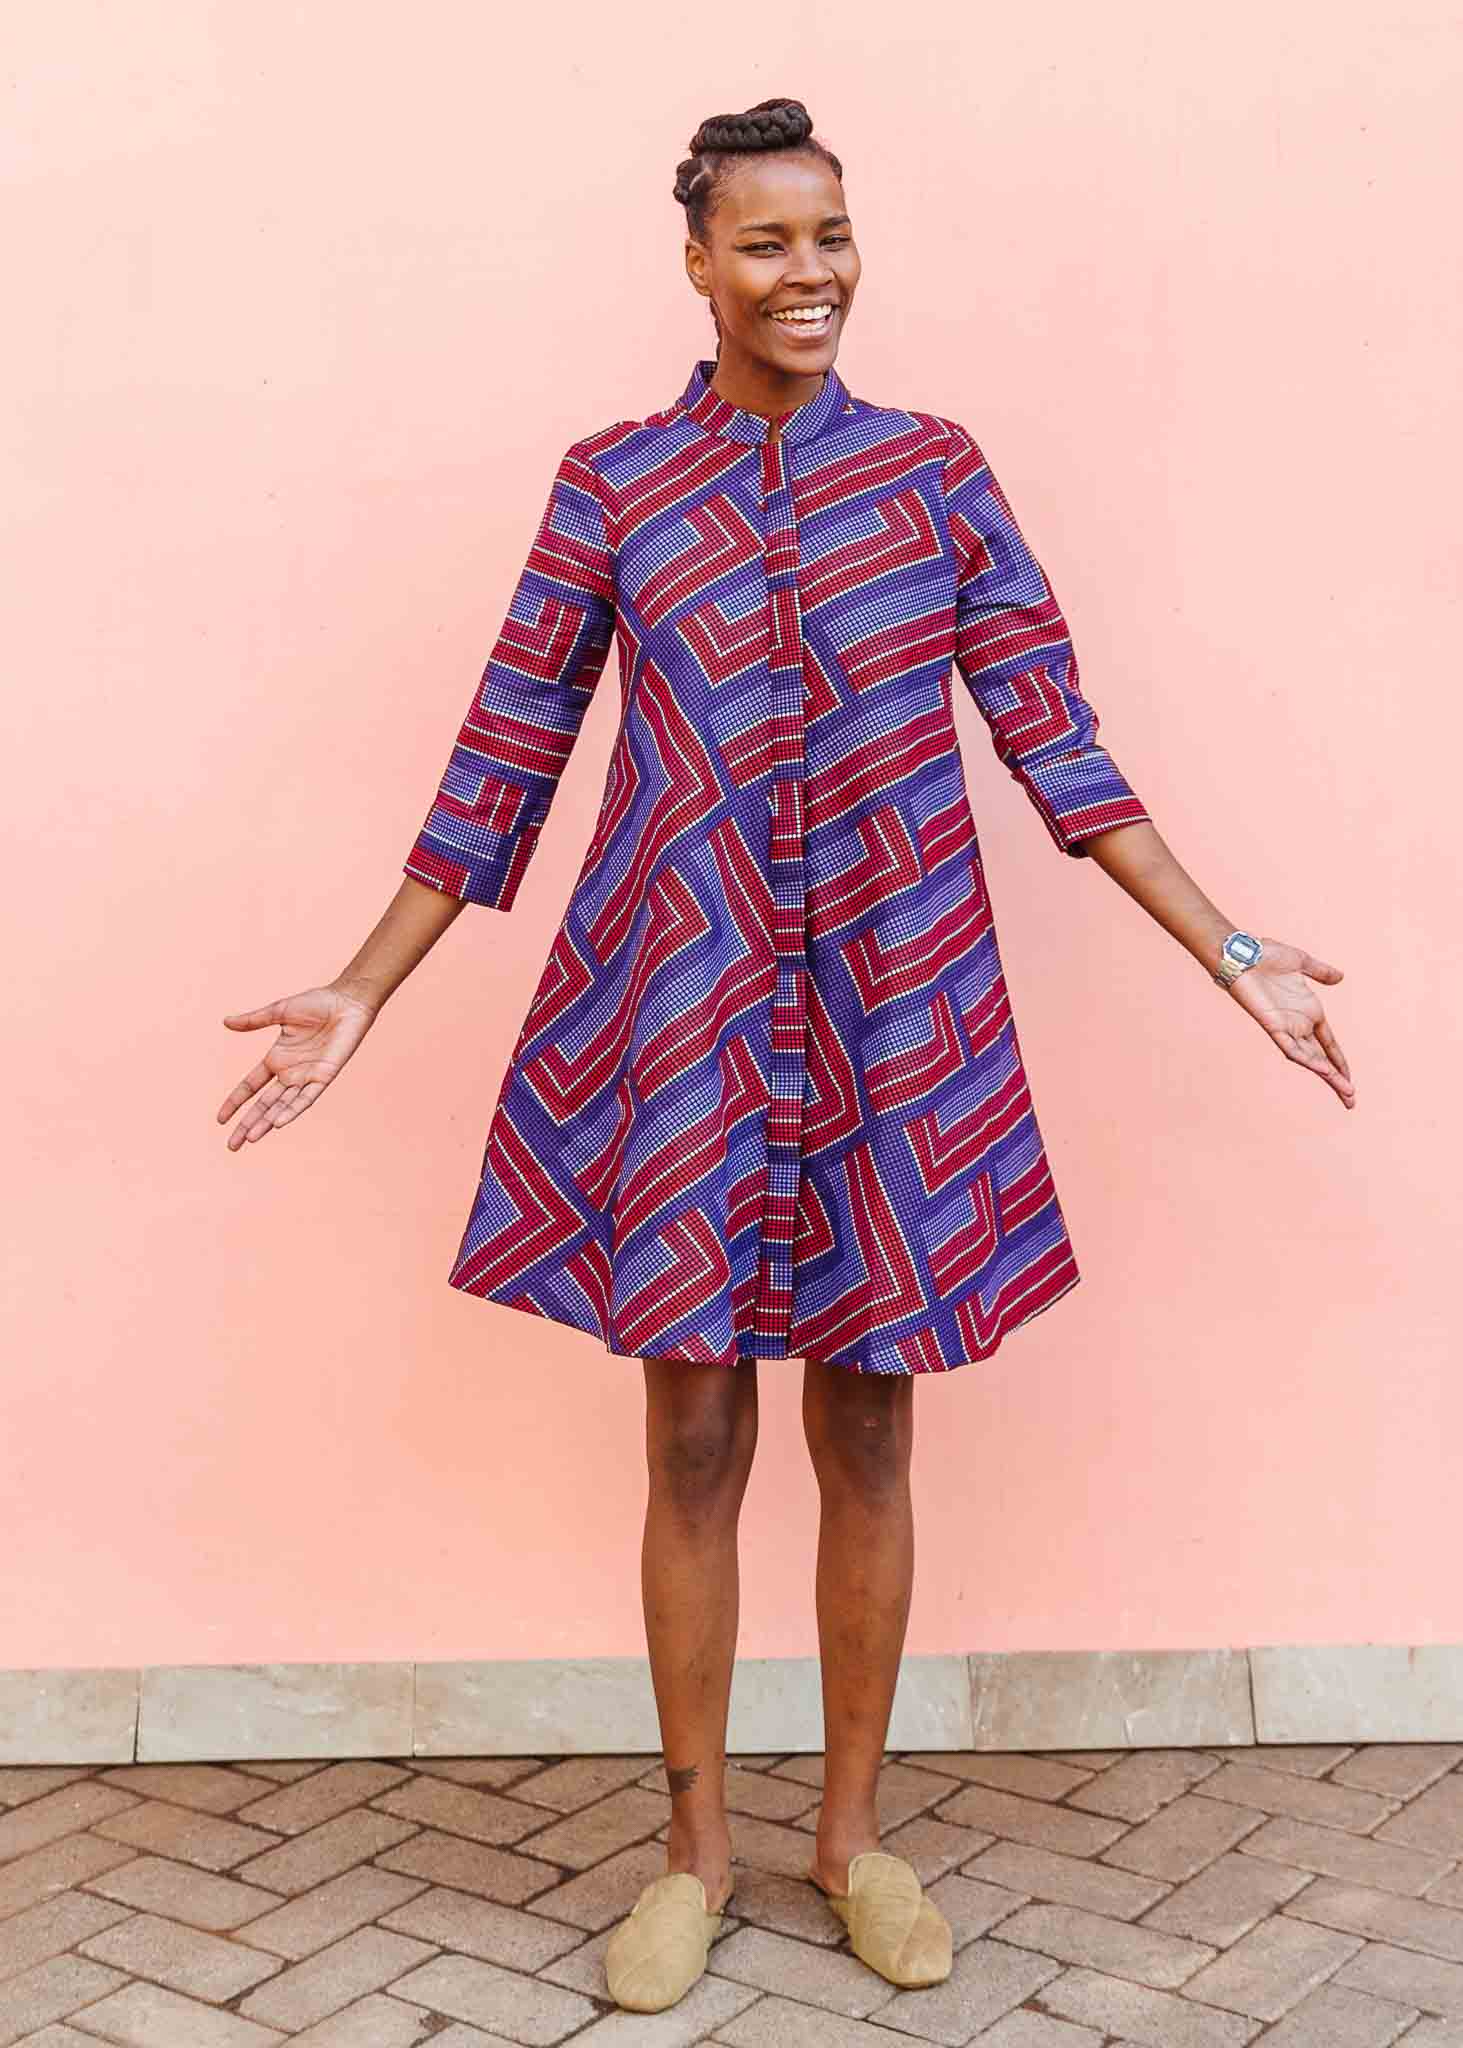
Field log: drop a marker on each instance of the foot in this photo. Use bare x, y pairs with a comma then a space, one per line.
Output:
830, 1873
660, 1949
818, 1875
891, 1924
716, 1877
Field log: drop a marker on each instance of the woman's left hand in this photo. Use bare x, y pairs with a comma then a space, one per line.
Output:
1277, 995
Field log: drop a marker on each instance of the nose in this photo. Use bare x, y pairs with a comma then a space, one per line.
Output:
807, 265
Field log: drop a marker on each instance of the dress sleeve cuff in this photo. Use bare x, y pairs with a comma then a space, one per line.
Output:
488, 875
1080, 794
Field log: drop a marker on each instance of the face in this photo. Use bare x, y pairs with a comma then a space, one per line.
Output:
778, 239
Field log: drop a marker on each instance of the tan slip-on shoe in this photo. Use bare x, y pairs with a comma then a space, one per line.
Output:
657, 1953
891, 1925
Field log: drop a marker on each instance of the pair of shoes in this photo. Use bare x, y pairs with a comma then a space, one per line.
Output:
891, 1925
656, 1955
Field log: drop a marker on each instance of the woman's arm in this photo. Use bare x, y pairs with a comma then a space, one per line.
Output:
485, 817
405, 933
1014, 650
319, 1028
1274, 991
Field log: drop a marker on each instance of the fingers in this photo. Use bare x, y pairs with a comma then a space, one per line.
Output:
257, 1118
304, 1096
1328, 1039
280, 1104
1318, 970
1308, 1053
252, 1082
250, 1020
294, 1099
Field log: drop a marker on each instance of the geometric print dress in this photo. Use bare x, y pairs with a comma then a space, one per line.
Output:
768, 1100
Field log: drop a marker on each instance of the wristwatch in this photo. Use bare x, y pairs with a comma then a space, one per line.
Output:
1239, 951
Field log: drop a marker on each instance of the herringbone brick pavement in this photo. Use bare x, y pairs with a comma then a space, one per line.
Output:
1301, 1897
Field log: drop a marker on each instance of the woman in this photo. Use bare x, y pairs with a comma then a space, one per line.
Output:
769, 1100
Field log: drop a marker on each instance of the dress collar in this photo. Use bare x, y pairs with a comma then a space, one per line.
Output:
718, 416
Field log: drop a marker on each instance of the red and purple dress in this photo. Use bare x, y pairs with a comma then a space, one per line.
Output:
768, 1100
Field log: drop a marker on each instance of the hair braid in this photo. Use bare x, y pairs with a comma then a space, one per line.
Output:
771, 124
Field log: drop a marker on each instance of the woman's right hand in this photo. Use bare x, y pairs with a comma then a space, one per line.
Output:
319, 1030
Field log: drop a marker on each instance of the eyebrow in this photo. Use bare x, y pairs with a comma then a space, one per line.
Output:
779, 227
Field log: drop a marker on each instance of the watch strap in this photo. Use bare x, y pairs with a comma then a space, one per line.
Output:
1230, 968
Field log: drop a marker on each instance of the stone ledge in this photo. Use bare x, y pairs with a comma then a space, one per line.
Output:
1111, 1699
1016, 1700
1338, 1692
69, 1717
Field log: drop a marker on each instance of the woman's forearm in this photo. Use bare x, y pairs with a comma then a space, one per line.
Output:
410, 926
1140, 861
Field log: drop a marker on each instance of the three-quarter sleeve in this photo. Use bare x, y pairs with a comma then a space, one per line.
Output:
526, 711
1015, 654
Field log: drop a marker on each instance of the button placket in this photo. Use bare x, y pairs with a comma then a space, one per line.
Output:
789, 901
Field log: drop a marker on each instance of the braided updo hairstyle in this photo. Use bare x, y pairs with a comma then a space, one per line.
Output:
720, 141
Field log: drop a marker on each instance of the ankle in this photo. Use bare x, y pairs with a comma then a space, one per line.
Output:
836, 1847
700, 1834
711, 1865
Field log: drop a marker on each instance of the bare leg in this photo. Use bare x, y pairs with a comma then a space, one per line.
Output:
700, 1433
859, 1429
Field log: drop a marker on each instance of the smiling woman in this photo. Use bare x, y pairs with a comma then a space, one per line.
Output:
770, 243
769, 1101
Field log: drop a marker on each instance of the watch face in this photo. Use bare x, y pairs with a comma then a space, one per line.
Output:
1242, 947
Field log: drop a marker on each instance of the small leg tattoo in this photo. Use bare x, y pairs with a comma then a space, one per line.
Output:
682, 1780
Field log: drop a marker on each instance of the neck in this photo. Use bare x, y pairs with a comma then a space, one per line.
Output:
757, 387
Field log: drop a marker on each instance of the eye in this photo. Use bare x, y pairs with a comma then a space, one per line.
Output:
756, 248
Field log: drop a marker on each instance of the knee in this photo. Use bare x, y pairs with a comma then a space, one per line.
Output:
700, 1454
865, 1452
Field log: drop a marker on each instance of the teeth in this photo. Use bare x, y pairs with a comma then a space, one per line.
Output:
810, 316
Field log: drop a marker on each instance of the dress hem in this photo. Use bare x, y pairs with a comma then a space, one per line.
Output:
1059, 1283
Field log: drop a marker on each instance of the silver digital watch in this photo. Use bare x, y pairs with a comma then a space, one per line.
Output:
1239, 951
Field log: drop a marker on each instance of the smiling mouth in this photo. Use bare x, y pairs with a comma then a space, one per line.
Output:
811, 321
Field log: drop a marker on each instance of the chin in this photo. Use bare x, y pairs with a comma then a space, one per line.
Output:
806, 355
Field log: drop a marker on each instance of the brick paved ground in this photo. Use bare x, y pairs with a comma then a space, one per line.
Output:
1187, 1898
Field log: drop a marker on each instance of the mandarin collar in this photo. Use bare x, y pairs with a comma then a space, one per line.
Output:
716, 415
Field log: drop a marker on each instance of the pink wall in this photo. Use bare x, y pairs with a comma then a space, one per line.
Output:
305, 303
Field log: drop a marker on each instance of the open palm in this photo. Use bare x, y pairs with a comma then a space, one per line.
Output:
1279, 997
319, 1030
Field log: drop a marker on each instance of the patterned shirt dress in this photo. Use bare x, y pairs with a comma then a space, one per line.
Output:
768, 1100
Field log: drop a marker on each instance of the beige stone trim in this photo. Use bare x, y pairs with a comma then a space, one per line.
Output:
1017, 1700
